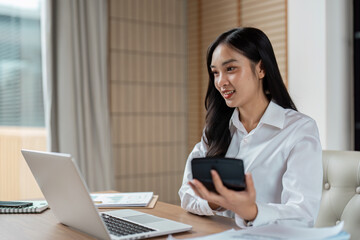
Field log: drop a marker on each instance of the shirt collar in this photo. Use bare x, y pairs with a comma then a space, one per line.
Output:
235, 121
274, 115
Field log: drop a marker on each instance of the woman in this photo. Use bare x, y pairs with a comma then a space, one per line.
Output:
251, 116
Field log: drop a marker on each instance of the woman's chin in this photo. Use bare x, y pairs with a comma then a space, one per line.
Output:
230, 104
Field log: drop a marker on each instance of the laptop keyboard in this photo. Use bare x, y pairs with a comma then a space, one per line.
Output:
120, 227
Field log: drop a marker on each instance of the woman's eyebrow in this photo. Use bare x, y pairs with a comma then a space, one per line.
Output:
224, 63
229, 61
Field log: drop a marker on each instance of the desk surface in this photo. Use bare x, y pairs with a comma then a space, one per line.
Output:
45, 226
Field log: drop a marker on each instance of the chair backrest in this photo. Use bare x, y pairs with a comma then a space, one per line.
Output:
341, 191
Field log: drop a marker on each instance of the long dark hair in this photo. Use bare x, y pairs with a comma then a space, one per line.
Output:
255, 45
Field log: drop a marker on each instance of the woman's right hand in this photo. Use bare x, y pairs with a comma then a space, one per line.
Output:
242, 203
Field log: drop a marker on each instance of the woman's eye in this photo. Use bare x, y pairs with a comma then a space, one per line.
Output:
215, 73
229, 69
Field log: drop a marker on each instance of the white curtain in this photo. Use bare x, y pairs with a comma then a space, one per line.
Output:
75, 85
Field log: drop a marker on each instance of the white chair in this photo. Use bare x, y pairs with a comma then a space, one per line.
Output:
341, 191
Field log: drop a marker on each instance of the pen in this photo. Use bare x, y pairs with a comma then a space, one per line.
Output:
97, 202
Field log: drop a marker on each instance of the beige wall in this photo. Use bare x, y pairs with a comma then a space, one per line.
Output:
148, 95
16, 179
158, 80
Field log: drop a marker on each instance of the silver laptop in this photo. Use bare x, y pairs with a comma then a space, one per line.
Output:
68, 197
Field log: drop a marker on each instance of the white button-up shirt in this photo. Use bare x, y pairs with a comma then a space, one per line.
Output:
283, 153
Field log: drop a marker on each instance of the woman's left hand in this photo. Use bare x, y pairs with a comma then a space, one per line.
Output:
240, 202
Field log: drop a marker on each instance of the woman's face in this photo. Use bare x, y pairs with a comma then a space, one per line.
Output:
234, 77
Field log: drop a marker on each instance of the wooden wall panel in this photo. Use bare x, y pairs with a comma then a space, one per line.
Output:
270, 17
148, 95
195, 59
206, 20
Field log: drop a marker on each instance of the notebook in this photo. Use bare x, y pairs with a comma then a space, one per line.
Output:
125, 199
68, 197
37, 207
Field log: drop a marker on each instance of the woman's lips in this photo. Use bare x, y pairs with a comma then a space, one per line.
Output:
228, 94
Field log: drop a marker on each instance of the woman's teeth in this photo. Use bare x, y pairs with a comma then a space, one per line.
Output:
228, 94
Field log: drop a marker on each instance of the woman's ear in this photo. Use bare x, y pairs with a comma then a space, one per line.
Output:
260, 70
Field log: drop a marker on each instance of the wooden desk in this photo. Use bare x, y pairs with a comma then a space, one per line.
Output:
45, 225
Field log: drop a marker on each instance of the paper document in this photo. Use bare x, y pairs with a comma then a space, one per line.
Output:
280, 232
130, 199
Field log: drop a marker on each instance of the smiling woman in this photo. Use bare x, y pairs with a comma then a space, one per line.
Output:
253, 50
250, 116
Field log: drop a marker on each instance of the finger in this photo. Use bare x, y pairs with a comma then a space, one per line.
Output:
194, 189
202, 190
217, 199
206, 194
219, 186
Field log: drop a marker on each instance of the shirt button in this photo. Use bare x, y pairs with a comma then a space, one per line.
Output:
245, 140
327, 186
358, 190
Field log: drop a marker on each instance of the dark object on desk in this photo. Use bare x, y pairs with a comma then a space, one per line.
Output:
231, 172
13, 204
32, 207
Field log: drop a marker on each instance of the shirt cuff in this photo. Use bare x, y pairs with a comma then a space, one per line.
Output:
205, 208
266, 214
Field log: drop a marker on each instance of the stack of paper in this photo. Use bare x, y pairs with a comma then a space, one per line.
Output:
130, 199
278, 231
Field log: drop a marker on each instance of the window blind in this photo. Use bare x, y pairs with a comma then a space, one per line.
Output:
21, 98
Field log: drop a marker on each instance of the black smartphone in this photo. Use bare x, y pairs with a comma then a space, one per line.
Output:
231, 171
13, 204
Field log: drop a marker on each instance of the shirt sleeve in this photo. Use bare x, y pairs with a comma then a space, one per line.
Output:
189, 200
302, 183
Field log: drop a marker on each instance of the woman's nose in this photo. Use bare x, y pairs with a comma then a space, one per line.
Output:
222, 80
